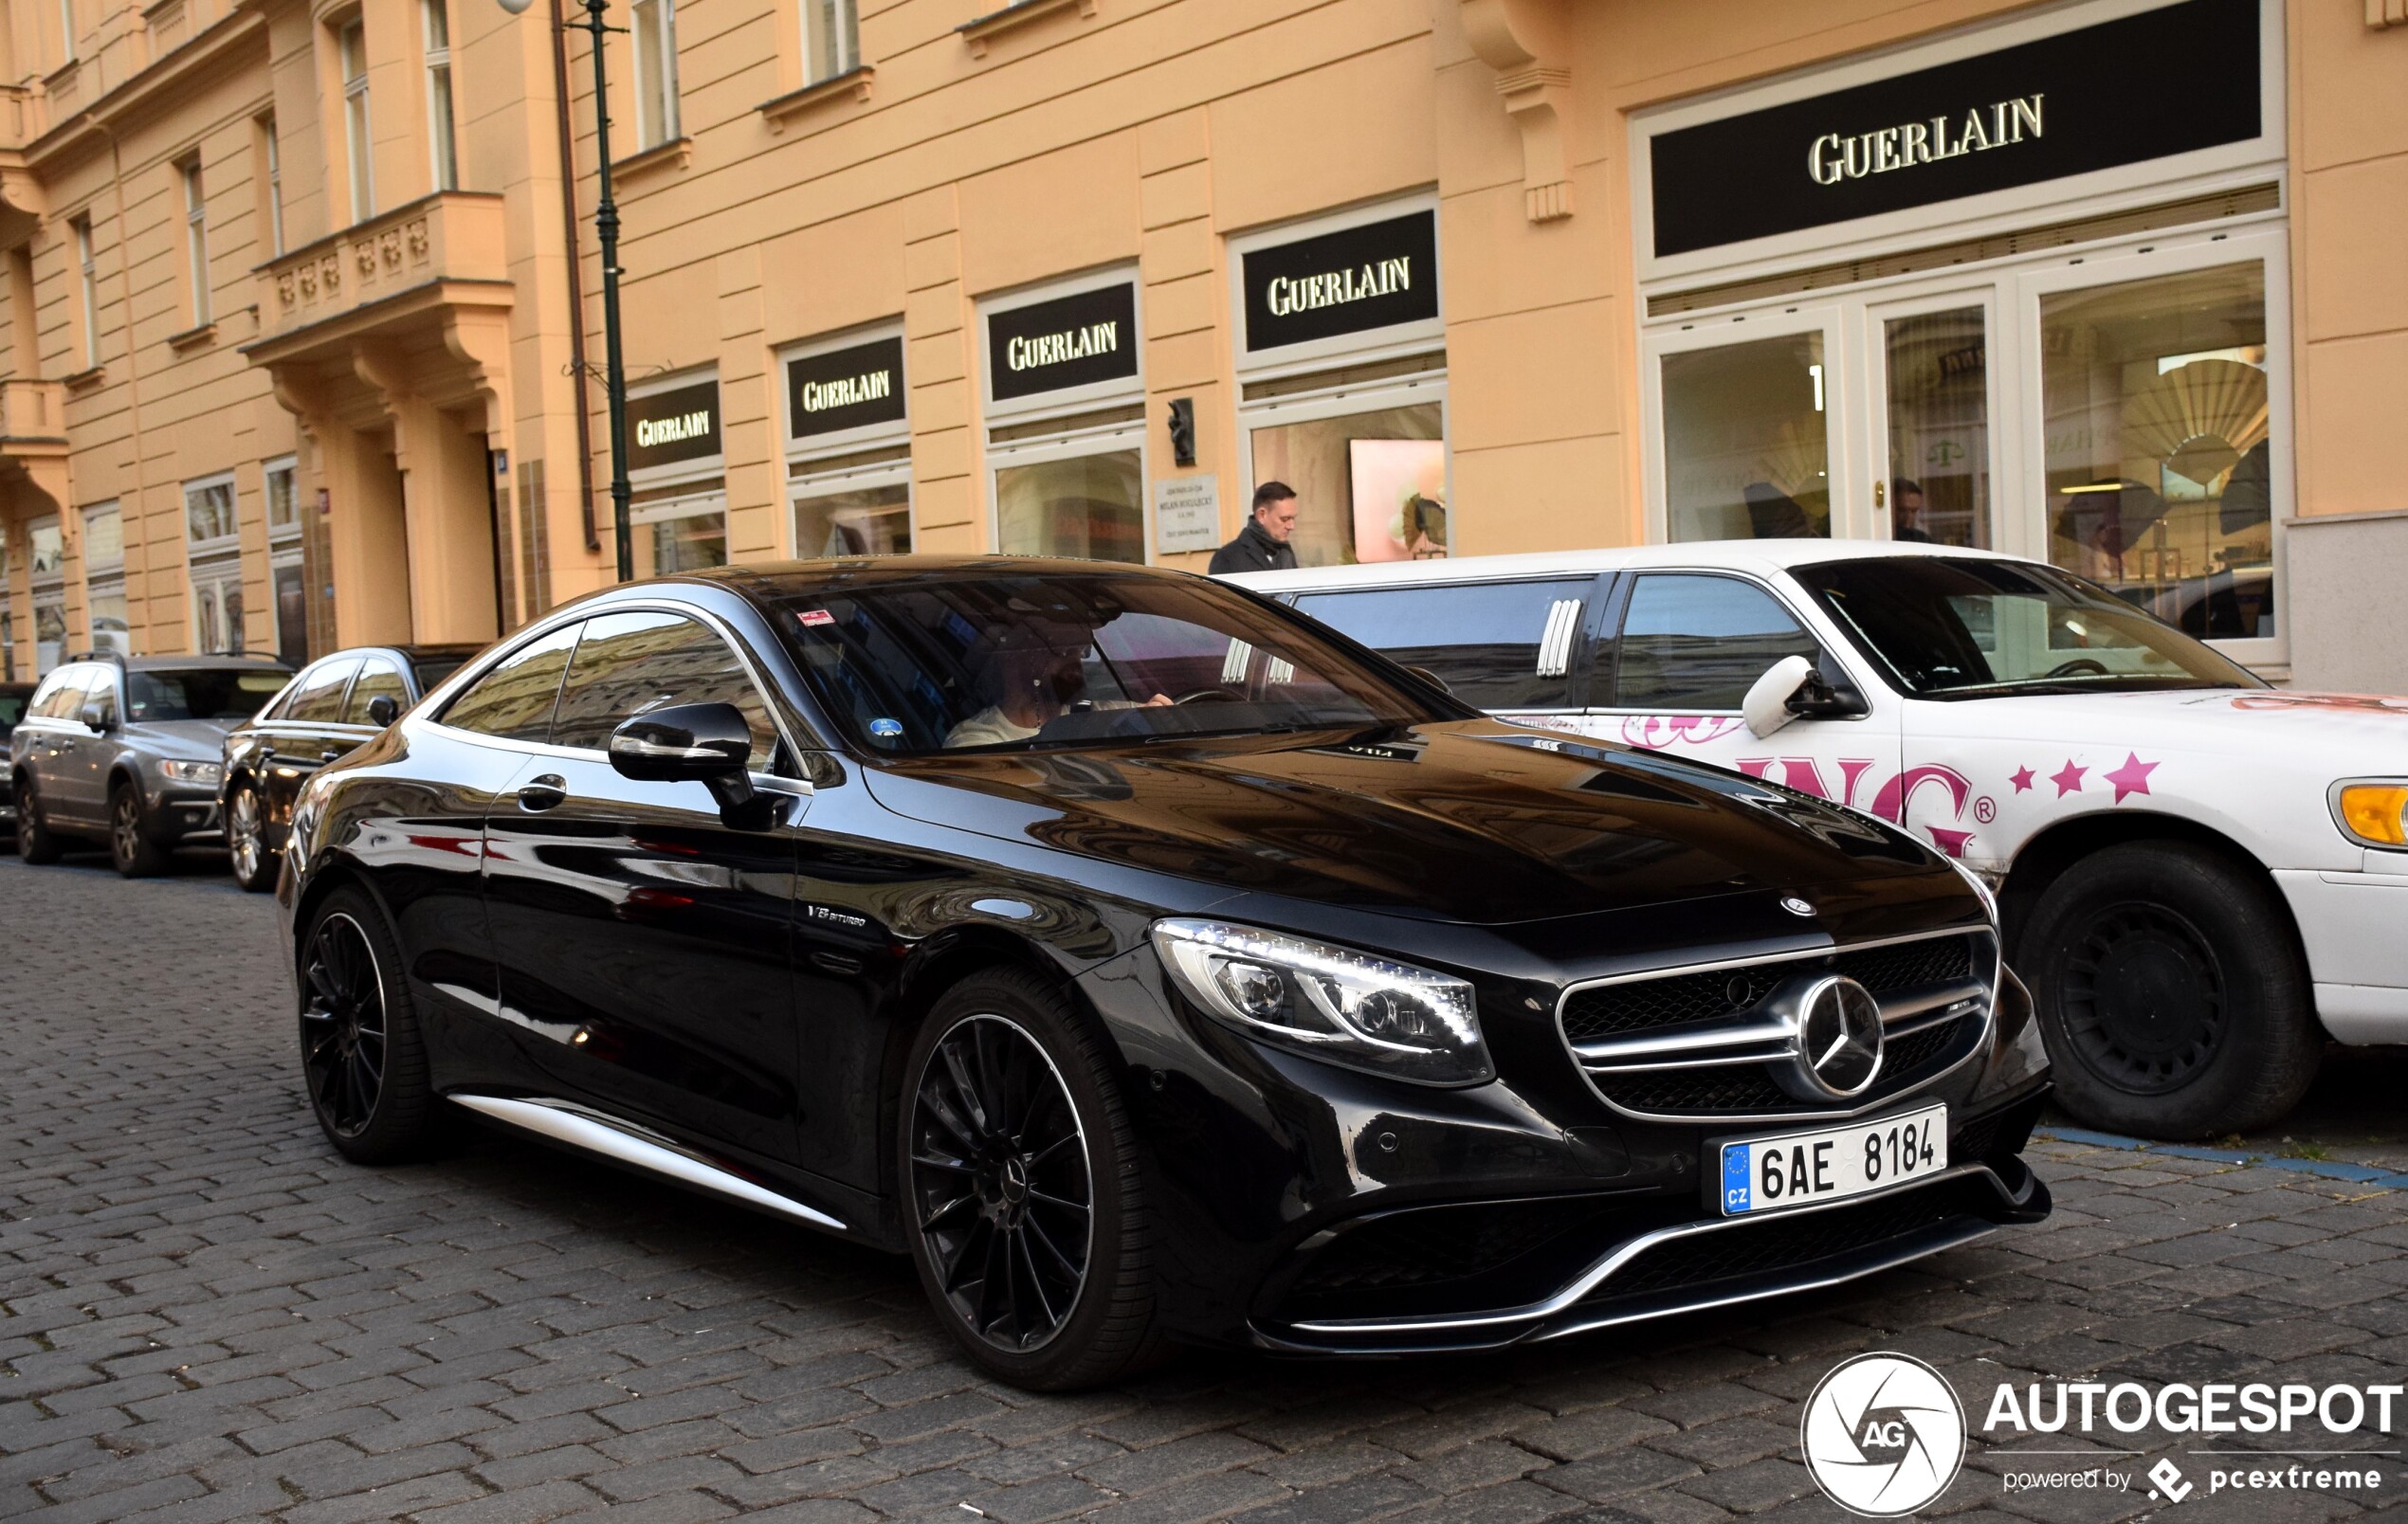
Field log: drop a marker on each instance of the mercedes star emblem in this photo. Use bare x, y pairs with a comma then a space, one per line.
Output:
1796, 906
1838, 1037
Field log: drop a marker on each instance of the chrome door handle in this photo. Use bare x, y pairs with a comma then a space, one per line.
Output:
330, 755
547, 791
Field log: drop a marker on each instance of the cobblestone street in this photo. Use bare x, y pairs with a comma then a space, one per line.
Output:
205, 1314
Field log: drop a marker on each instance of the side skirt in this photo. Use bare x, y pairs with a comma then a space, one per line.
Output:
566, 1122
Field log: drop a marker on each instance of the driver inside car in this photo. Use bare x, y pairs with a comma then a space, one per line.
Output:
1034, 674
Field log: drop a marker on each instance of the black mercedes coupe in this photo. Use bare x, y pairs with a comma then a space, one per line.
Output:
1151, 964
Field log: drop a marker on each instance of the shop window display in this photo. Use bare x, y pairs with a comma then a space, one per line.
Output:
1090, 506
1369, 486
1746, 446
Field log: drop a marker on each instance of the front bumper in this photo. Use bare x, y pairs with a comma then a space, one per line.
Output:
2349, 925
186, 817
1311, 1209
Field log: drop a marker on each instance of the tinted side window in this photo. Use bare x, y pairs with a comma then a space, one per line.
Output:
627, 663
1499, 644
1697, 643
514, 700
376, 676
319, 697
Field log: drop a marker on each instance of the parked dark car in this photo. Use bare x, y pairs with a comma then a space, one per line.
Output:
125, 749
13, 698
1151, 964
331, 706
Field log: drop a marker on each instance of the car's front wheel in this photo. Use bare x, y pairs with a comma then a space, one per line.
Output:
36, 842
246, 852
2171, 992
130, 847
1028, 1207
362, 1054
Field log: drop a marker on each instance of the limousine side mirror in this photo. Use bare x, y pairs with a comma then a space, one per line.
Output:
708, 744
1794, 688
95, 719
383, 710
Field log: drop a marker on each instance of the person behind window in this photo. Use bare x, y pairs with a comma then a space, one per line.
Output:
1906, 511
1263, 544
1034, 674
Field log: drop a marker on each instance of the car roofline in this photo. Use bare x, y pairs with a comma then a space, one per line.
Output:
1736, 556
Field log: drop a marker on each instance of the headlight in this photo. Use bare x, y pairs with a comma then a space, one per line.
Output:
1331, 1003
1981, 891
191, 771
2374, 813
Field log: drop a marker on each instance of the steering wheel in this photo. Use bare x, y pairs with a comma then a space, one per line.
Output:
1208, 696
2080, 664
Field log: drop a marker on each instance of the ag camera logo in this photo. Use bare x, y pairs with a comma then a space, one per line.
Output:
1884, 1435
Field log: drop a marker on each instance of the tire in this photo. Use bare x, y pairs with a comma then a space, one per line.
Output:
2171, 993
363, 1056
246, 852
131, 849
36, 842
983, 1191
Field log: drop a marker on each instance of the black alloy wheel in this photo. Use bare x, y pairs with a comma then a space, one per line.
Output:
1020, 1173
1001, 1180
36, 844
247, 853
129, 845
2171, 992
362, 1060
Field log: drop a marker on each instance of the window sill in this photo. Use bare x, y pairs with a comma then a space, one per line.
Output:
84, 380
193, 338
661, 157
854, 83
978, 33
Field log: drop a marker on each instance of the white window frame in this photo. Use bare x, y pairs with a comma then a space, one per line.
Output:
275, 186
360, 143
103, 578
801, 482
66, 32
49, 590
196, 236
652, 23
1398, 341
87, 258
1067, 405
288, 466
441, 137
847, 53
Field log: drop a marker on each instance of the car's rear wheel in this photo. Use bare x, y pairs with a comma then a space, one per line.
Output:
253, 864
1028, 1207
131, 849
2171, 992
362, 1056
36, 844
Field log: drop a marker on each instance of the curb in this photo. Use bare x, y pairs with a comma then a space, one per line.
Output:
2360, 1174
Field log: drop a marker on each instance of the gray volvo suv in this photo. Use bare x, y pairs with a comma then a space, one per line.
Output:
127, 749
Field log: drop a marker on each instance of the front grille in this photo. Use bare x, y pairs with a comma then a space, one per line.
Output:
1793, 1241
1639, 1031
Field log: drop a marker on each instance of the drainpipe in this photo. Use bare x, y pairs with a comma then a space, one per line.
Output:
576, 275
133, 411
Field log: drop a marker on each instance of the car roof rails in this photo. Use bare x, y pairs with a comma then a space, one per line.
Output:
107, 654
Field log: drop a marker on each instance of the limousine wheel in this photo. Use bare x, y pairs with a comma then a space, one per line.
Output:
2171, 993
361, 1055
1019, 1168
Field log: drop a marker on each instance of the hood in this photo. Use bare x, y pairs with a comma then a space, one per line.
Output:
2342, 733
1469, 821
200, 740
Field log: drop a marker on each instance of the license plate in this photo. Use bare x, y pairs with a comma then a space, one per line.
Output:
1771, 1174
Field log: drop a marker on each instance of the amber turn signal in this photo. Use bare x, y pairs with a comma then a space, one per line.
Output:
2376, 813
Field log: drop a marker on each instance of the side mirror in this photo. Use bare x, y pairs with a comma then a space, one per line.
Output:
95, 719
383, 710
708, 744
1432, 679
1766, 707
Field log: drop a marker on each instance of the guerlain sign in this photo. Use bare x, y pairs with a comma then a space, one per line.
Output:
1354, 280
668, 426
1070, 341
2043, 110
839, 390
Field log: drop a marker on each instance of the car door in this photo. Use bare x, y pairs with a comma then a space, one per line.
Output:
298, 740
1684, 648
46, 746
1511, 646
81, 764
636, 924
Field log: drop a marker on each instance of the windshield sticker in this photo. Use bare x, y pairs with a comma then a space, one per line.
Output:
883, 726
815, 616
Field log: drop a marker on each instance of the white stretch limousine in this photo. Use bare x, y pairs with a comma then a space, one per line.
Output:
2202, 877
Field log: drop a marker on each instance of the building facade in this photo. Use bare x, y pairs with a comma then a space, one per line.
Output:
304, 309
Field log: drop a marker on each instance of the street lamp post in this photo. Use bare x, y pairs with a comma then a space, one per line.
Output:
606, 226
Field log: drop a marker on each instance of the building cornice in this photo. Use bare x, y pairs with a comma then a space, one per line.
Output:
163, 85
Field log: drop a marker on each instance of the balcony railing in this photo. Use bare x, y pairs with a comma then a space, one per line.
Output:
31, 411
450, 236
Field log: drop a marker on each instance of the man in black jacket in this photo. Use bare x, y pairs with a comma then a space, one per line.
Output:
1262, 545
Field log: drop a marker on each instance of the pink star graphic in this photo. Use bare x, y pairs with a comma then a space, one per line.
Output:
2068, 778
2021, 778
2132, 777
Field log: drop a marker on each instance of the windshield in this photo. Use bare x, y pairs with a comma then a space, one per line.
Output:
1946, 627
201, 693
994, 663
